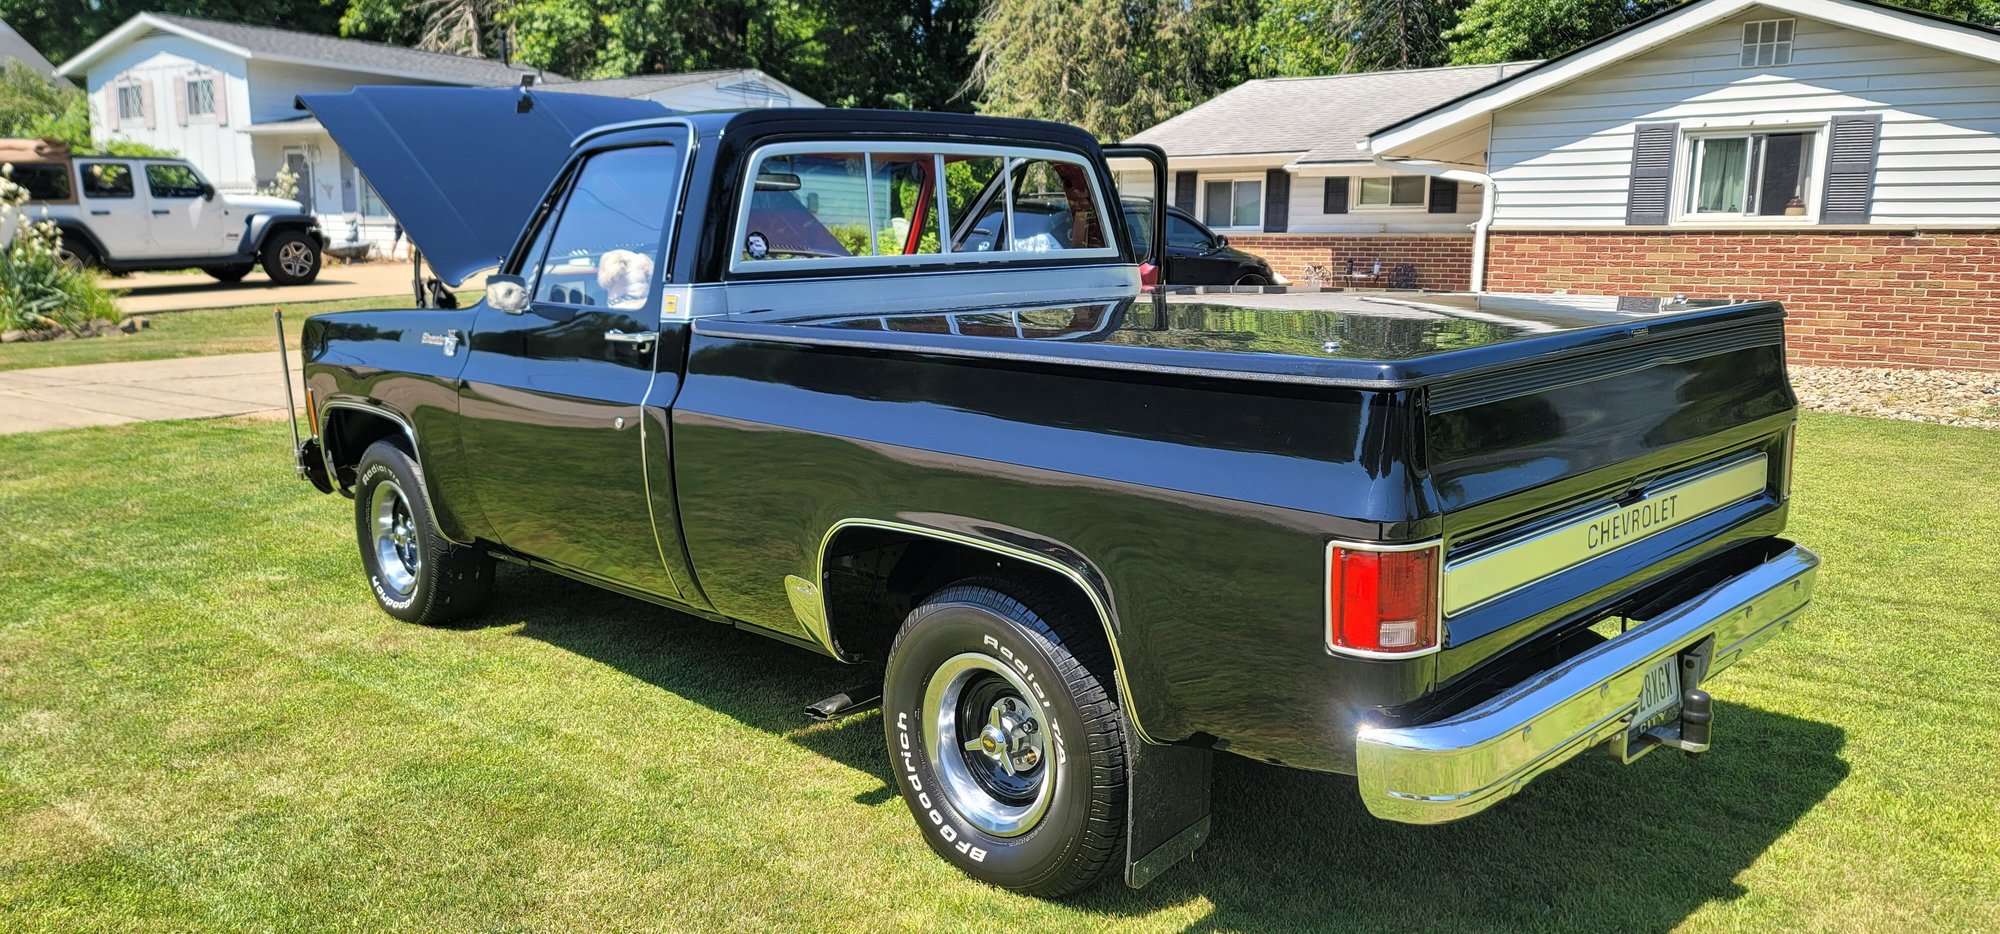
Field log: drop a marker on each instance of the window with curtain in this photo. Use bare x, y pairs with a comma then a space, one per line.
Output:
1400, 191
1750, 174
1233, 202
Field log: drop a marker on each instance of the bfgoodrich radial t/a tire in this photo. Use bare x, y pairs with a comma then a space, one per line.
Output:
417, 575
1005, 737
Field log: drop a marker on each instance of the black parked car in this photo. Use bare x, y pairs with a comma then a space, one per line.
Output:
1196, 255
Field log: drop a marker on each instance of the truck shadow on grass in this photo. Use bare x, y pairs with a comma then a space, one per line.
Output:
1593, 845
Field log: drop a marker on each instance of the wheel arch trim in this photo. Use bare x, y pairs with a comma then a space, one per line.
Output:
326, 410
1100, 600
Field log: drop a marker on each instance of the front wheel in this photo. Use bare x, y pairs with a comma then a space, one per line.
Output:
417, 574
1006, 740
292, 257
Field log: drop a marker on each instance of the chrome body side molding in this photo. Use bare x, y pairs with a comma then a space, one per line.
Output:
326, 451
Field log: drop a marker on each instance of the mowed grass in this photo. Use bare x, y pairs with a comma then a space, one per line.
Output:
191, 334
206, 724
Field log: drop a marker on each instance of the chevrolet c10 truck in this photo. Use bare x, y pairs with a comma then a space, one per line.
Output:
891, 387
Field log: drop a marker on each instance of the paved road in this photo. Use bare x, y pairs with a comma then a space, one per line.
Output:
176, 291
146, 390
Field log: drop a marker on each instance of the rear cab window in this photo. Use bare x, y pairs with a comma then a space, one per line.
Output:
827, 207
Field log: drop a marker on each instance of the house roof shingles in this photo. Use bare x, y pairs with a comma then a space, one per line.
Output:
355, 53
1324, 119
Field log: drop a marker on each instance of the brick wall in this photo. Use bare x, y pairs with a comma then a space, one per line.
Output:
1888, 298
1442, 261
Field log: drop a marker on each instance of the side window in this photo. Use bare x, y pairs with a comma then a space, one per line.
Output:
172, 181
1180, 233
107, 180
904, 210
49, 182
1054, 208
601, 251
808, 206
975, 196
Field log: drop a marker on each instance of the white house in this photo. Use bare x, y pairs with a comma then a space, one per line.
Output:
222, 95
1274, 164
1840, 155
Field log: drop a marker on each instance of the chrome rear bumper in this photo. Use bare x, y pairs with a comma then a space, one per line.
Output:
1459, 766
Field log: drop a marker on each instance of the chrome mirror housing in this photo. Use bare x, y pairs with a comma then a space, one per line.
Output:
507, 293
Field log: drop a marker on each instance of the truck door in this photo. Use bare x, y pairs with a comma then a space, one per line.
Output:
186, 219
112, 208
554, 419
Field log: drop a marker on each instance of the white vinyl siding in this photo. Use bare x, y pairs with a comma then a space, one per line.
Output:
1563, 158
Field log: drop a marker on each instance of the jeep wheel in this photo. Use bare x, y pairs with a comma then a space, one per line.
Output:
1006, 741
233, 273
416, 574
79, 255
291, 257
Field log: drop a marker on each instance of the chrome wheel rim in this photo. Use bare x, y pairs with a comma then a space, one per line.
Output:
989, 744
295, 259
396, 553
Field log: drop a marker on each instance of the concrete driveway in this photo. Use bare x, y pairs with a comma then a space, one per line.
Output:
150, 292
147, 390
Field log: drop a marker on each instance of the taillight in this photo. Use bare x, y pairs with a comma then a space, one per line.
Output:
1382, 602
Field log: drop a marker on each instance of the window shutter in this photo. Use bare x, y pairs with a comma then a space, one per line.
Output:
1650, 196
1277, 200
181, 101
1334, 199
1850, 169
1444, 196
146, 103
1184, 191
111, 106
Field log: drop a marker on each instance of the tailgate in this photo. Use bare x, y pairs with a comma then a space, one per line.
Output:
1567, 477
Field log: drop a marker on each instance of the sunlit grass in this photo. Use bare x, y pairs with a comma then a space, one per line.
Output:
206, 724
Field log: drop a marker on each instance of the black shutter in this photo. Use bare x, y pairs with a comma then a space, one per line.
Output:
1335, 199
1184, 191
1444, 196
1850, 169
1651, 194
1277, 200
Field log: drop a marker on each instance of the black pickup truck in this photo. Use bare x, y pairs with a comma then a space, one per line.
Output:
889, 387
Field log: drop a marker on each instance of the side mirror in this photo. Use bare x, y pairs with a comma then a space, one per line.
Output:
1221, 241
207, 192
507, 293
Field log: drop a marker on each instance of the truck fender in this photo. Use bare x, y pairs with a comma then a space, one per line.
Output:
259, 227
74, 231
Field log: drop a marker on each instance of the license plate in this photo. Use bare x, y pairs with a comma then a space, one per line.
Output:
1659, 695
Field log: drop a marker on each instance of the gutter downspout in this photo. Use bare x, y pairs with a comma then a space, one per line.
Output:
1479, 227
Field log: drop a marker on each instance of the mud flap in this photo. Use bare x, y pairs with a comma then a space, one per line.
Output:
1166, 807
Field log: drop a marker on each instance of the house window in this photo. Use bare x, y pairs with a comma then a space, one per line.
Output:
1750, 174
372, 204
201, 97
1393, 191
1233, 202
131, 102
1767, 42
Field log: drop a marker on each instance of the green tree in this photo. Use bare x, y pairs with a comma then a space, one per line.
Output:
1113, 68
1386, 34
32, 106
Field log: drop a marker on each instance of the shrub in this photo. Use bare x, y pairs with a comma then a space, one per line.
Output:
39, 291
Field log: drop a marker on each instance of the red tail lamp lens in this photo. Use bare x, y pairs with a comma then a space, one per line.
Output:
1382, 601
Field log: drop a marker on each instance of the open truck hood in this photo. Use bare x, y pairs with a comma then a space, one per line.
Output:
462, 168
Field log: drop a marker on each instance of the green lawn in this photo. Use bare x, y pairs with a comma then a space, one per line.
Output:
205, 724
191, 334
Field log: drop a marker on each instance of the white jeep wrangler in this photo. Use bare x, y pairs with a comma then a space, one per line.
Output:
132, 214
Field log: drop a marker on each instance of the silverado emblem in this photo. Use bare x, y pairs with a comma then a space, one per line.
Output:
448, 340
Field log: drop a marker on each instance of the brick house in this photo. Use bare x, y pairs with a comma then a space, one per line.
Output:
1840, 155
1277, 165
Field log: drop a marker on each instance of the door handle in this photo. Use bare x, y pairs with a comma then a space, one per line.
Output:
161, 213
635, 337
100, 212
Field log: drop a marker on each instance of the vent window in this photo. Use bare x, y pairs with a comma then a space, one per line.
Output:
1767, 42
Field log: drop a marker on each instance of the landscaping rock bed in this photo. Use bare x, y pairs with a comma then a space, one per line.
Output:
1948, 397
100, 327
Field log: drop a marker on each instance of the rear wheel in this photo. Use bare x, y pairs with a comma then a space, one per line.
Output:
1253, 279
231, 273
79, 254
292, 257
417, 574
1007, 743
